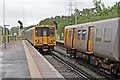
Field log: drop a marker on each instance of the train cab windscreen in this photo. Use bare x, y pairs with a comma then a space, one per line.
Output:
51, 31
45, 31
38, 32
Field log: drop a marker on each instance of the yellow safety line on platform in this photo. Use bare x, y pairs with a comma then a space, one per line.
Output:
34, 72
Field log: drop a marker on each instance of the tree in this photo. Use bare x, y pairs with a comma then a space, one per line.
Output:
14, 30
97, 4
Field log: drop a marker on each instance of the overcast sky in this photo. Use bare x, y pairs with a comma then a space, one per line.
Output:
36, 10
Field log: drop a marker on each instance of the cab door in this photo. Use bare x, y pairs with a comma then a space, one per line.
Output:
66, 37
90, 39
74, 38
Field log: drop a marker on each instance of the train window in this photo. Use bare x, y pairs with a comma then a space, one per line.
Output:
83, 34
78, 34
44, 32
38, 32
99, 33
41, 31
51, 32
107, 34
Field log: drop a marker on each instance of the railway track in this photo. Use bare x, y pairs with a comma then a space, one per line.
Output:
81, 73
75, 63
86, 64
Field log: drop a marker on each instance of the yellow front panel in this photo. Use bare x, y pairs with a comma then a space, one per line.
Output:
37, 38
50, 39
45, 40
40, 41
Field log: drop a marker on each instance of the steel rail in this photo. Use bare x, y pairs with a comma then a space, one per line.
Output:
101, 72
73, 67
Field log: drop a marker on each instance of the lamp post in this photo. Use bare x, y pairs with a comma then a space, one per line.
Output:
8, 32
8, 36
5, 35
4, 39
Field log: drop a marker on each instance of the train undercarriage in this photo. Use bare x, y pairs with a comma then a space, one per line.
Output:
45, 49
104, 64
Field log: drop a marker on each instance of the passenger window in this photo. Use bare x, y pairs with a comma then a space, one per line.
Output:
99, 33
107, 34
78, 34
51, 32
83, 34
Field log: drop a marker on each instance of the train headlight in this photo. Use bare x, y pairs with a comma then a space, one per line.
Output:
52, 41
37, 41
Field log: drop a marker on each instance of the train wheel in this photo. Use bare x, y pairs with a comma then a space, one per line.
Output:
70, 54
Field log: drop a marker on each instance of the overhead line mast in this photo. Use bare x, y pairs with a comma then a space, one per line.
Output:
71, 9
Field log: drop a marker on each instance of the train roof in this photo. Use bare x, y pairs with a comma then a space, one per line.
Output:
40, 26
91, 23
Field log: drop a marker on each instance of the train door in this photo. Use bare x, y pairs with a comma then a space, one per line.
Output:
90, 41
74, 38
66, 37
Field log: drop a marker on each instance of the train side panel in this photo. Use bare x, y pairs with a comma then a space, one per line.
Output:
104, 37
101, 39
30, 35
116, 45
78, 38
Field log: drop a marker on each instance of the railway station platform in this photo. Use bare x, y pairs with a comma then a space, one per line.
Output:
21, 60
60, 43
